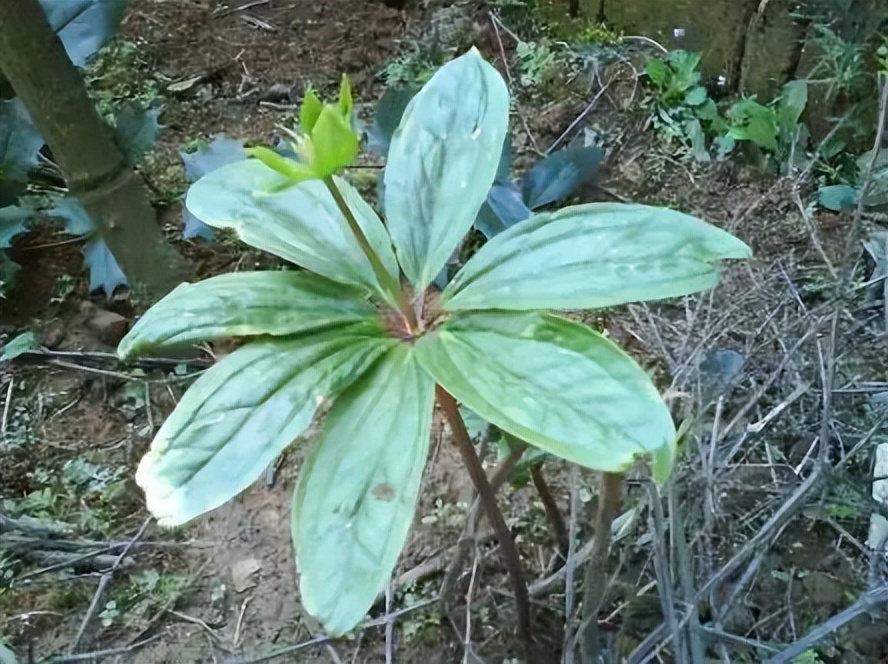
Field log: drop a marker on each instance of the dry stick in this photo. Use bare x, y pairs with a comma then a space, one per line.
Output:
567, 650
321, 640
872, 599
610, 499
104, 582
553, 514
100, 654
495, 516
649, 648
684, 572
664, 573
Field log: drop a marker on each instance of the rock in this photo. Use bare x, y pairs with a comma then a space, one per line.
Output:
108, 327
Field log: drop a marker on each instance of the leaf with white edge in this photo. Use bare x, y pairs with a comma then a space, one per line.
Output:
246, 304
442, 161
594, 255
243, 412
84, 26
557, 176
357, 491
300, 223
20, 142
104, 270
554, 383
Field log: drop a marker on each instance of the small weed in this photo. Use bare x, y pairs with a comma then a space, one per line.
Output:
536, 62
411, 69
82, 494
62, 287
119, 75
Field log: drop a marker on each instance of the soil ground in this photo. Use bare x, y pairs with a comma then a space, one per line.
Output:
773, 372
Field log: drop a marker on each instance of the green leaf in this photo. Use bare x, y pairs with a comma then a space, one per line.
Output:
346, 102
23, 343
334, 142
442, 161
837, 197
243, 412
358, 487
84, 26
104, 270
310, 111
301, 224
137, 129
751, 121
20, 142
294, 171
554, 383
792, 103
696, 96
13, 221
656, 70
246, 304
593, 255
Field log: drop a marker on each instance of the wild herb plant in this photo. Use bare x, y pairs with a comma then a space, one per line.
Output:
354, 351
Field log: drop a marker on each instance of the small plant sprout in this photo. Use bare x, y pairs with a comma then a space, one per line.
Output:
361, 343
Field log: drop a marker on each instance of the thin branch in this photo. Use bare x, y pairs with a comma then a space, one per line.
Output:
553, 514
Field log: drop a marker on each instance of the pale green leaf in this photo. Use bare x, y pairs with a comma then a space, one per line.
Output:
442, 161
243, 412
301, 223
245, 304
593, 255
358, 488
554, 383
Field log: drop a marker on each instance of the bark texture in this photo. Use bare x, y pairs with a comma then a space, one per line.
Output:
35, 63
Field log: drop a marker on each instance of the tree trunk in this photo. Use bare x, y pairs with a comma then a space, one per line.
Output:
34, 61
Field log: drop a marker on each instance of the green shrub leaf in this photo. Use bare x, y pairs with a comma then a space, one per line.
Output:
557, 384
245, 411
442, 161
245, 304
299, 223
594, 255
358, 487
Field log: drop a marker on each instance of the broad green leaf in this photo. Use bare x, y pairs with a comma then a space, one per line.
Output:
243, 412
442, 161
357, 490
334, 142
593, 255
301, 224
84, 26
754, 122
246, 304
554, 383
310, 111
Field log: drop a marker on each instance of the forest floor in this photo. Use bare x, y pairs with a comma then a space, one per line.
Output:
779, 376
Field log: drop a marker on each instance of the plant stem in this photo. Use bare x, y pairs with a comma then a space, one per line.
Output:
610, 497
553, 515
387, 281
479, 479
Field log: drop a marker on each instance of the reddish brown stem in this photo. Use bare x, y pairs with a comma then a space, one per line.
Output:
553, 514
488, 498
610, 499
